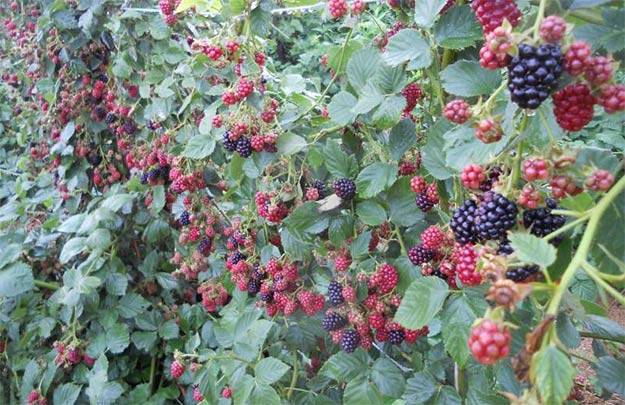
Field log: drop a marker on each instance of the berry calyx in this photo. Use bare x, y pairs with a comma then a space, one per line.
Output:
489, 342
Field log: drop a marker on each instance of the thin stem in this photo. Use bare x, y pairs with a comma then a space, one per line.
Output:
46, 284
568, 226
214, 204
568, 213
293, 378
584, 246
539, 18
152, 373
594, 274
401, 241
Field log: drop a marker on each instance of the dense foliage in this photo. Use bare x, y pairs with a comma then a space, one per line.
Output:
216, 201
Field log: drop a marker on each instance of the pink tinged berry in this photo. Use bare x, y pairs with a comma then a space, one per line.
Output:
433, 237
418, 184
488, 130
552, 29
489, 342
337, 8
197, 394
457, 111
577, 58
472, 176
535, 169
612, 98
600, 180
573, 106
599, 71
176, 368
226, 392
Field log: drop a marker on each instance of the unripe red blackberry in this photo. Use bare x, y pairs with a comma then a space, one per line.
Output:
488, 130
491, 60
472, 176
433, 237
312, 194
176, 368
342, 262
599, 71
563, 186
344, 188
385, 278
577, 58
412, 94
489, 342
418, 184
197, 394
419, 255
599, 180
337, 8
535, 169
358, 7
491, 13
226, 392
529, 197
245, 87
573, 106
457, 111
166, 6
552, 29
612, 98
431, 192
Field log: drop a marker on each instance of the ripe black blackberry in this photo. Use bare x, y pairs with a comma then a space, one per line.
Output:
236, 257
350, 340
205, 247
541, 222
184, 218
419, 254
110, 118
423, 202
505, 248
438, 273
463, 222
266, 297
244, 147
130, 127
521, 274
533, 74
100, 113
154, 173
333, 321
344, 188
494, 216
228, 144
253, 286
144, 178
396, 336
103, 78
320, 186
335, 293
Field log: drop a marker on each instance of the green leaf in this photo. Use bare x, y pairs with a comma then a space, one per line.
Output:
132, 305
306, 219
390, 79
604, 328
169, 330
389, 112
99, 239
552, 372
71, 224
293, 83
457, 28
344, 366
610, 372
402, 206
422, 301
72, 248
16, 279
468, 79
375, 178
289, 144
117, 201
426, 12
66, 394
369, 99
341, 228
388, 378
199, 147
408, 45
264, 394
269, 370
144, 340
420, 388
158, 199
360, 246
339, 163
362, 66
340, 108
338, 56
117, 338
455, 337
532, 249
359, 391
402, 137
371, 213
433, 153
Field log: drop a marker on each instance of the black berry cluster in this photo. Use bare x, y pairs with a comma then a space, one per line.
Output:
335, 293
541, 221
244, 147
396, 336
320, 186
333, 321
350, 340
423, 202
494, 216
505, 248
419, 254
463, 222
184, 218
520, 274
533, 74
229, 145
345, 188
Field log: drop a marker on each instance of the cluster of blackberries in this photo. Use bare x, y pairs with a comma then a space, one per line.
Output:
204, 247
350, 340
488, 220
396, 336
335, 293
243, 146
256, 277
152, 175
333, 321
184, 218
541, 221
533, 74
344, 188
463, 222
419, 255
520, 274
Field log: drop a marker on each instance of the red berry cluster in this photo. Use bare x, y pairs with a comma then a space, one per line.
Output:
492, 13
488, 130
214, 296
489, 342
427, 193
412, 94
69, 356
457, 111
36, 398
167, 8
270, 207
176, 368
494, 54
552, 29
337, 8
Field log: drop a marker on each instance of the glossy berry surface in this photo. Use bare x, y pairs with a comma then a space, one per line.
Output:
457, 111
344, 188
350, 340
489, 342
573, 106
491, 13
494, 216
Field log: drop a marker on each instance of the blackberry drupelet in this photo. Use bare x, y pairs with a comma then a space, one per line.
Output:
144, 178
205, 246
184, 218
253, 286
533, 74
494, 216
419, 254
396, 336
244, 147
350, 340
505, 248
344, 188
335, 293
463, 222
423, 202
320, 186
521, 274
110, 118
541, 221
333, 321
228, 144
266, 297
